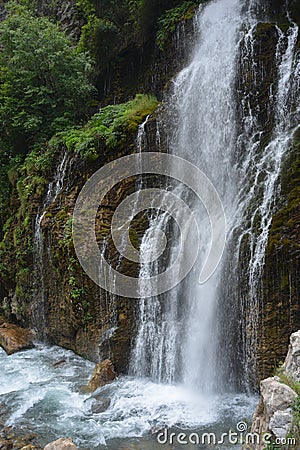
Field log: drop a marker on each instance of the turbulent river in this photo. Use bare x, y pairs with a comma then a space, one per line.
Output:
39, 396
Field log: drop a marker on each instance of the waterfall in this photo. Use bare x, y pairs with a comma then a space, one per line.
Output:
176, 335
55, 187
205, 336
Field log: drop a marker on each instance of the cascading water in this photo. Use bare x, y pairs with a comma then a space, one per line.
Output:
54, 189
204, 111
185, 331
262, 164
186, 338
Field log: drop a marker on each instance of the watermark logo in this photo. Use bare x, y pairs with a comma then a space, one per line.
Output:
101, 182
239, 436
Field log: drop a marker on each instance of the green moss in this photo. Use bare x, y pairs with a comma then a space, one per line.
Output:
168, 22
263, 27
67, 239
285, 220
134, 238
109, 127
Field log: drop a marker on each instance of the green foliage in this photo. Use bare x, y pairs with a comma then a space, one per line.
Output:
286, 379
168, 22
67, 239
109, 127
44, 81
87, 7
77, 292
296, 409
33, 173
115, 25
273, 446
100, 34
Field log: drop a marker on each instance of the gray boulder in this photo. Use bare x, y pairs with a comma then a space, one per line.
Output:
292, 362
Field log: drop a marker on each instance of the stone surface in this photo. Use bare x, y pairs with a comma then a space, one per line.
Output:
281, 423
11, 439
14, 338
292, 362
61, 444
276, 395
103, 374
274, 412
100, 405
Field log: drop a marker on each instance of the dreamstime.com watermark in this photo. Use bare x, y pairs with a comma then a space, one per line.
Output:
101, 183
240, 436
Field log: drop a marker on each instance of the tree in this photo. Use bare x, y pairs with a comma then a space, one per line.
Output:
44, 80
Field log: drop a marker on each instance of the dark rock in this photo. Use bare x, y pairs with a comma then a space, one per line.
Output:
59, 363
100, 405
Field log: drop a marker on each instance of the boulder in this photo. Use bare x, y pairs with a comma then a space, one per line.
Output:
61, 444
281, 423
292, 361
104, 373
100, 405
14, 338
274, 413
276, 395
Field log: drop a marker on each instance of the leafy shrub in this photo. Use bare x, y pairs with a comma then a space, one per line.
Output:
44, 81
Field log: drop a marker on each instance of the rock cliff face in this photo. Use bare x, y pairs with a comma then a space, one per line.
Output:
281, 309
275, 416
55, 296
278, 302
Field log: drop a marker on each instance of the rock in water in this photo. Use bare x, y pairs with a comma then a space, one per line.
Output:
292, 362
61, 444
14, 338
100, 405
104, 373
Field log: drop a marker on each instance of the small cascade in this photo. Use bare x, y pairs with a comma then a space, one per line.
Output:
110, 300
54, 189
262, 165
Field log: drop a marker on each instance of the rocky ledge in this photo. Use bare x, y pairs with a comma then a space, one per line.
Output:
275, 414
